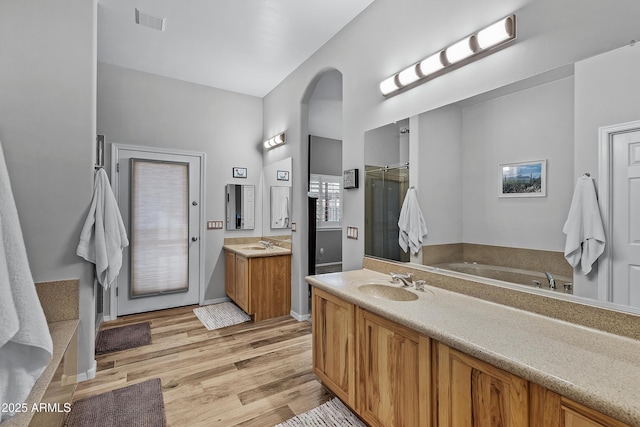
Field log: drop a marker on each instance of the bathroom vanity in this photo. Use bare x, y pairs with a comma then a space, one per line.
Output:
258, 279
398, 356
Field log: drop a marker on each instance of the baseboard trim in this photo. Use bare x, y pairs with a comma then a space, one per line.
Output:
88, 375
300, 317
215, 301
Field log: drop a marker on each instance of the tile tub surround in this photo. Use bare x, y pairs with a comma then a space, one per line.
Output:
59, 300
524, 259
535, 301
594, 368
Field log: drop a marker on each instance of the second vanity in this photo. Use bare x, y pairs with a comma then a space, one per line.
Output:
440, 358
258, 277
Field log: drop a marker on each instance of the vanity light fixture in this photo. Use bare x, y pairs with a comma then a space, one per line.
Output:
275, 141
472, 47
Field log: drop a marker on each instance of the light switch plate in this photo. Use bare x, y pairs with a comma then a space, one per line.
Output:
214, 225
352, 232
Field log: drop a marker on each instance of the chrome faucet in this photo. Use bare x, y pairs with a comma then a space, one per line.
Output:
266, 244
552, 281
407, 279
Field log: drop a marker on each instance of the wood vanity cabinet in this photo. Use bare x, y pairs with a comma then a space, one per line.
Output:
334, 344
474, 393
394, 377
261, 286
549, 409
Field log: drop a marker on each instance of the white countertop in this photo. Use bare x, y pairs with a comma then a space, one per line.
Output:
595, 368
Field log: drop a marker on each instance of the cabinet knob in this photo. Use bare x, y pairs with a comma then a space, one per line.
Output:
194, 238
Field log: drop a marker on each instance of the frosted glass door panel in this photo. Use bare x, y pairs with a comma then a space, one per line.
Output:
160, 228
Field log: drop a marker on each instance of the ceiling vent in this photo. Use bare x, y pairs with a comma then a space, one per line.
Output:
147, 20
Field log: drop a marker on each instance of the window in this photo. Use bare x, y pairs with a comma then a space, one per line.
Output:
329, 208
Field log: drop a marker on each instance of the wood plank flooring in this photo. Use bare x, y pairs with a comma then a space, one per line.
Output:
255, 374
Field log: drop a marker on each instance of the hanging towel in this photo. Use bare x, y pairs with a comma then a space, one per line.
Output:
284, 211
411, 222
103, 236
585, 234
25, 341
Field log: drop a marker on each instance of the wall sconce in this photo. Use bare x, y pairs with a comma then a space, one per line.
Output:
460, 53
274, 141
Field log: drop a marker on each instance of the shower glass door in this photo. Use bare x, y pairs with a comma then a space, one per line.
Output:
385, 189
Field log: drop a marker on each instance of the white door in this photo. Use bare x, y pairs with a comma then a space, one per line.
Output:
625, 216
159, 197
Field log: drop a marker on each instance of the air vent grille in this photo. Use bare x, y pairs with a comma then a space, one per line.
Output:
150, 21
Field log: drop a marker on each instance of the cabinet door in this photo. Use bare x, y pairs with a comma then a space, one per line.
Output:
334, 345
242, 283
394, 380
549, 409
230, 274
475, 394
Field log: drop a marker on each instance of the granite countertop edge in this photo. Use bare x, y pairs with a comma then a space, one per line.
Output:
241, 249
558, 355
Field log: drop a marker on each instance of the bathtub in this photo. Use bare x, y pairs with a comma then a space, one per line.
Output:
507, 274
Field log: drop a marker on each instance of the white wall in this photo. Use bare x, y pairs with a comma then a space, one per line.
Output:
607, 88
392, 34
532, 124
47, 129
143, 109
439, 168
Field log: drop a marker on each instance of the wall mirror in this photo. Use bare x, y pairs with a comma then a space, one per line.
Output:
456, 172
240, 201
277, 178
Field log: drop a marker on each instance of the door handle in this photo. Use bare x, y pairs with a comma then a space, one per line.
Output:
194, 239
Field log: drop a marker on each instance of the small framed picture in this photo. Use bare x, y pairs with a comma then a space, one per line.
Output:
524, 179
282, 175
350, 178
239, 172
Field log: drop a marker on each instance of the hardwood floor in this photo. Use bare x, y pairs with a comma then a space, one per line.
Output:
253, 374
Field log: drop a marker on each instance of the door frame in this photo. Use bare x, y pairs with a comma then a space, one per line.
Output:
605, 172
115, 156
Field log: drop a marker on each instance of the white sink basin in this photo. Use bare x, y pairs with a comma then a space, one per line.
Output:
380, 291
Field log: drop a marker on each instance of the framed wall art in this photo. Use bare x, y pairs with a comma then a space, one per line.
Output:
524, 179
239, 172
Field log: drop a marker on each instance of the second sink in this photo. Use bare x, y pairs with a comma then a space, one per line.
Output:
380, 291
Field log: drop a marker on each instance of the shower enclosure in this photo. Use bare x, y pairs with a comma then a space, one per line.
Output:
385, 189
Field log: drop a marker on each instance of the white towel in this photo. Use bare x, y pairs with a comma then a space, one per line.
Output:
585, 234
284, 211
411, 222
25, 341
103, 236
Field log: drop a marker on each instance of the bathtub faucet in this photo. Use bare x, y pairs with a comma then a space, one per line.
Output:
552, 281
407, 279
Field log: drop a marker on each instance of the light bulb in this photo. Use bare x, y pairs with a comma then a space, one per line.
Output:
459, 51
389, 85
431, 64
495, 33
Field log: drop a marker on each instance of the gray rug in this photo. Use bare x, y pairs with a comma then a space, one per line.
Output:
138, 405
123, 338
216, 316
330, 414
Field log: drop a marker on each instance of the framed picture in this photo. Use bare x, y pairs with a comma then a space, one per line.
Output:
350, 179
282, 175
239, 172
525, 179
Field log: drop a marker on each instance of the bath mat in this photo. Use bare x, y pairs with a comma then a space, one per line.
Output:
123, 338
138, 405
332, 413
216, 316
